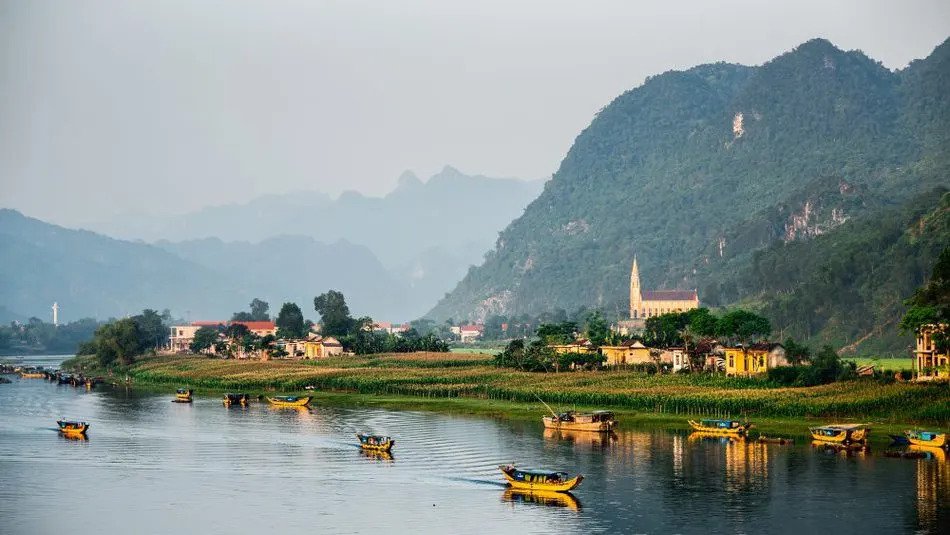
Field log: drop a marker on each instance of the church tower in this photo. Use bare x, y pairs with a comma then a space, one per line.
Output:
635, 295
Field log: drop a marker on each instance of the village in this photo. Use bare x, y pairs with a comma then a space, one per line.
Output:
624, 348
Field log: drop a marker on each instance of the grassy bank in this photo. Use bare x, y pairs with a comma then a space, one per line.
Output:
435, 378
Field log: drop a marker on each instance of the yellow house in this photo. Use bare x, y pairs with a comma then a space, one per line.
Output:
322, 347
632, 352
929, 362
753, 360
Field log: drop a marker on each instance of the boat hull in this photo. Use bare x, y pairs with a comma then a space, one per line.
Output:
543, 486
840, 436
299, 402
599, 427
73, 429
731, 431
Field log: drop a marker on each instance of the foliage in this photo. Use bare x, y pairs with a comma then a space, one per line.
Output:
796, 353
204, 339
258, 312
38, 337
596, 329
743, 326
557, 333
335, 319
290, 322
535, 356
930, 304
826, 367
120, 341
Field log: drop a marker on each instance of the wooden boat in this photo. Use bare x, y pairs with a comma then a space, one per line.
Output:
183, 395
70, 428
931, 439
289, 401
235, 399
841, 433
598, 421
542, 497
720, 427
32, 374
376, 442
537, 480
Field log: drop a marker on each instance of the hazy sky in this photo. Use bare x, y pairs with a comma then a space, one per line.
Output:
111, 107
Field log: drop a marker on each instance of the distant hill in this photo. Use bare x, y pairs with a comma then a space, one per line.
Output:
696, 171
92, 275
426, 234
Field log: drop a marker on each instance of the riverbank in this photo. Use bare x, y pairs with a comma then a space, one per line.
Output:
453, 381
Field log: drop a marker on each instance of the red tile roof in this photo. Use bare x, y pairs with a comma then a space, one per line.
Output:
472, 328
257, 325
669, 295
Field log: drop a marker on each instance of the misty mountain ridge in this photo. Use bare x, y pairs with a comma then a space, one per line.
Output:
89, 274
695, 172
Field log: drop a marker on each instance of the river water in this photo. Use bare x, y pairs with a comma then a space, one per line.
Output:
151, 466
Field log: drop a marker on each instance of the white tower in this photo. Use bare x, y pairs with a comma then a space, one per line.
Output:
56, 314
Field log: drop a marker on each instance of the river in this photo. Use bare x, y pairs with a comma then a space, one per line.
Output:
151, 466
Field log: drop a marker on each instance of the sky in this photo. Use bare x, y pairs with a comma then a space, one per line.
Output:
112, 108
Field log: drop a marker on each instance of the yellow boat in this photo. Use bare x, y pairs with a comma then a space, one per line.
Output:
841, 433
930, 439
376, 443
32, 375
183, 395
289, 401
544, 481
598, 421
542, 497
720, 427
72, 429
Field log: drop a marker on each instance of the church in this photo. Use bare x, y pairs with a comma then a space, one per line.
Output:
648, 303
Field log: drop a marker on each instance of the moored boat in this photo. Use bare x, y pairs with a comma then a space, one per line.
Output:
183, 395
599, 421
841, 433
71, 428
540, 480
376, 442
720, 427
774, 440
931, 439
32, 373
289, 401
235, 399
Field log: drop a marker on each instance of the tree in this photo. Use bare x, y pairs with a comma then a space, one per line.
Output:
151, 328
930, 304
493, 327
796, 353
596, 329
118, 341
335, 317
258, 312
204, 339
290, 322
743, 326
557, 333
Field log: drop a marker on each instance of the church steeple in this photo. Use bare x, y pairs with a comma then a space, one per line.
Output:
635, 295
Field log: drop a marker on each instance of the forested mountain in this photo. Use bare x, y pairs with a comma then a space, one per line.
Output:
694, 171
91, 275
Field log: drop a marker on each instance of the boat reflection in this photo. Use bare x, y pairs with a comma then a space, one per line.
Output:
586, 438
933, 489
73, 437
929, 452
846, 450
543, 498
377, 455
701, 436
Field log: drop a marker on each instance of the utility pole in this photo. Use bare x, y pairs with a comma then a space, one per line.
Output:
55, 314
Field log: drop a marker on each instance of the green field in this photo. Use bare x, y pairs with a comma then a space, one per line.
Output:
434, 376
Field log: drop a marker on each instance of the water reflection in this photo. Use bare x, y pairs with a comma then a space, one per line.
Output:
933, 489
582, 438
377, 455
845, 450
548, 499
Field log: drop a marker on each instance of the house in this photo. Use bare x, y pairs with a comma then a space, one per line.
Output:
469, 333
754, 359
181, 336
320, 347
630, 352
929, 362
677, 357
582, 346
259, 328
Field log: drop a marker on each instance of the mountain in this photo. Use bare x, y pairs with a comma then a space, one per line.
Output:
93, 275
702, 168
426, 234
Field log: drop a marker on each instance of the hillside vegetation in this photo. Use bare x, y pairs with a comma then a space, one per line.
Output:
695, 171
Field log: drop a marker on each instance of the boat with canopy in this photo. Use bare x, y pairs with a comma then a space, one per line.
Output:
841, 433
724, 427
540, 480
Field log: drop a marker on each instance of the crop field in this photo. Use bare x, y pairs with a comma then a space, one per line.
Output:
453, 375
885, 364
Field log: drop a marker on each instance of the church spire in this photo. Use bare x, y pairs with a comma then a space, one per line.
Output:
635, 295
